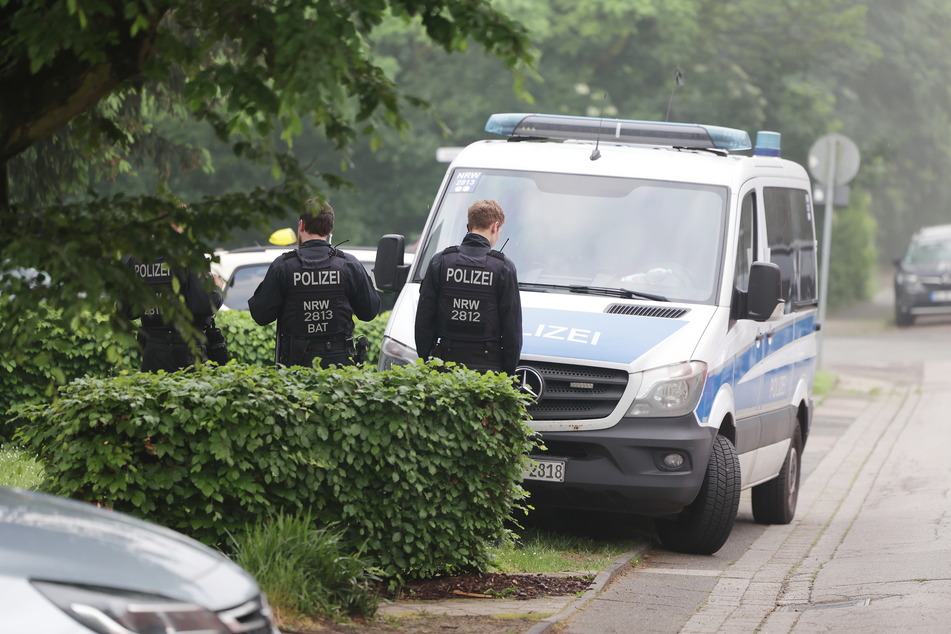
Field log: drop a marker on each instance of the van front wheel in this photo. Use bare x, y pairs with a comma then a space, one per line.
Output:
774, 502
703, 527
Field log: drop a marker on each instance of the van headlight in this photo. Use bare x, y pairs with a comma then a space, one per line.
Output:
395, 353
113, 611
670, 390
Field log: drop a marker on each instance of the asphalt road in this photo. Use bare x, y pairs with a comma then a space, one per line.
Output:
870, 548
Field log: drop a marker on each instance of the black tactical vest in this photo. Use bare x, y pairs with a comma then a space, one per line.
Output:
316, 304
158, 275
468, 307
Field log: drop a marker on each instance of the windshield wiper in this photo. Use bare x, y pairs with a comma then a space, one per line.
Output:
616, 292
594, 290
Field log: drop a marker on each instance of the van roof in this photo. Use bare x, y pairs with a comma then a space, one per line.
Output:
625, 161
519, 125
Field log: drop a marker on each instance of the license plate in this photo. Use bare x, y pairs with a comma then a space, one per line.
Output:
941, 296
548, 470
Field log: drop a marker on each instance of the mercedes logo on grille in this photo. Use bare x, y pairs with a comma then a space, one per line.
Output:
530, 381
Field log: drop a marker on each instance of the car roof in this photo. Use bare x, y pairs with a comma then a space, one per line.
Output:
934, 232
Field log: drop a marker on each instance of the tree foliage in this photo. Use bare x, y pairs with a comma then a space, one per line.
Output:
96, 80
214, 99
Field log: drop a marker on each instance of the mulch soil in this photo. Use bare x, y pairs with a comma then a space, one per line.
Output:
475, 587
491, 586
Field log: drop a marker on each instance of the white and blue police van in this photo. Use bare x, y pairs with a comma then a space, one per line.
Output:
669, 290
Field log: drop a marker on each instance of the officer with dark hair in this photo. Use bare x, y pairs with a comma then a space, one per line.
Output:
313, 292
469, 307
163, 347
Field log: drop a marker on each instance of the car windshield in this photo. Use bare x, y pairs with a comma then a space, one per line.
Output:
595, 234
244, 281
929, 252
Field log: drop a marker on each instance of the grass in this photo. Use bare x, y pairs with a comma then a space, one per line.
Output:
547, 551
303, 569
19, 469
824, 383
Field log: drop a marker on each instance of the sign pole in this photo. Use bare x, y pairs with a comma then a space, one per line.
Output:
826, 243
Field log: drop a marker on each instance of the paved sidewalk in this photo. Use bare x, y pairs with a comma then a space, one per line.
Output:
783, 566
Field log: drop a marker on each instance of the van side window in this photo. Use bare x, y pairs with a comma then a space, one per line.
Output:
792, 244
745, 245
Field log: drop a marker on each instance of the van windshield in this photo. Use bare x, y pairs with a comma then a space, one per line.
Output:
561, 230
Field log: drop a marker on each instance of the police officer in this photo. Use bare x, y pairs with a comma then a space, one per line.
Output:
469, 307
313, 293
164, 348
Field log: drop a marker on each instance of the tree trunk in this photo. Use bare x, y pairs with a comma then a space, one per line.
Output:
6, 215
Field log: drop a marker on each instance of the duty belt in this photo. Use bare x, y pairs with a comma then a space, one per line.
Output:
460, 345
338, 345
316, 346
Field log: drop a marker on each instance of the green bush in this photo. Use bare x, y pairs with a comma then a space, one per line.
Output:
852, 254
19, 469
248, 343
421, 466
65, 351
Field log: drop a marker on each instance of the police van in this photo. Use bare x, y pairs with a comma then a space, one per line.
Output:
669, 290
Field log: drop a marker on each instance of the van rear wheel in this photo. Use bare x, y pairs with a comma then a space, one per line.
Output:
774, 502
703, 527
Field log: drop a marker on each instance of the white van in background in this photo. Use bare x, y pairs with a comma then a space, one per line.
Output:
669, 295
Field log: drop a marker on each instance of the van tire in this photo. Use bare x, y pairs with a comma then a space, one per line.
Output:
704, 526
774, 502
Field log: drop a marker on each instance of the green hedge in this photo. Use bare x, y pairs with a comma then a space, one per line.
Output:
422, 467
60, 353
88, 347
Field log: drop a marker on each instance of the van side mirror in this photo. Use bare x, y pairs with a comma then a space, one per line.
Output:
389, 271
765, 291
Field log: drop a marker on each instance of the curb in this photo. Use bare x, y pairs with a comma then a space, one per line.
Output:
600, 581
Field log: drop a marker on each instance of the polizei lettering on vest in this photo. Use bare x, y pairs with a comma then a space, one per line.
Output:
316, 278
469, 276
157, 269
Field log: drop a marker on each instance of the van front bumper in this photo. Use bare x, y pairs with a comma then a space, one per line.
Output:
621, 469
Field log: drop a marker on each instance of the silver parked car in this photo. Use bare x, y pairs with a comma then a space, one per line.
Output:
67, 567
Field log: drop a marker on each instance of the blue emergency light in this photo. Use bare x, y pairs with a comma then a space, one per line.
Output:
553, 126
767, 143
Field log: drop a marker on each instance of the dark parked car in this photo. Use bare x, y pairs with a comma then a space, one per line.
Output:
71, 568
923, 276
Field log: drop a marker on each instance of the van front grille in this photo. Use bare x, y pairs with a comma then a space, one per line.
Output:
647, 311
575, 392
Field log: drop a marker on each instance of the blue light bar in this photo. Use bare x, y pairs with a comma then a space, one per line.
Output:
767, 143
553, 126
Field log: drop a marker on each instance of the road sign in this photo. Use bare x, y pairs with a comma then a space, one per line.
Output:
834, 158
833, 161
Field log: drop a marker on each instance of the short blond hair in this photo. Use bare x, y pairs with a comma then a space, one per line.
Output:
482, 213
